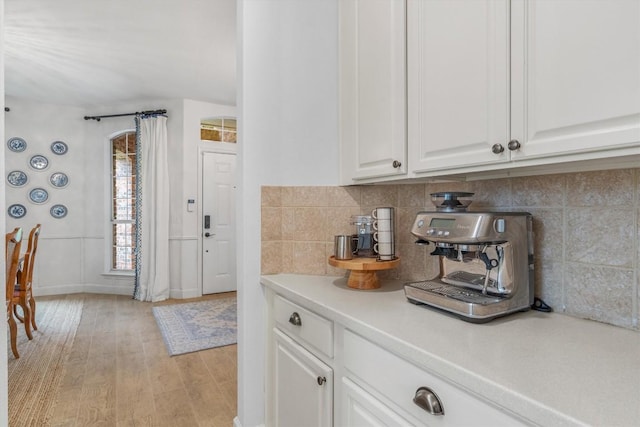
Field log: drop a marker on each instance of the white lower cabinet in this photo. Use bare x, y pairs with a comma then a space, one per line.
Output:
360, 409
303, 394
375, 387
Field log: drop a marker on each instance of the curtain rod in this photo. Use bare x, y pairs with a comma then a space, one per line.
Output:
97, 118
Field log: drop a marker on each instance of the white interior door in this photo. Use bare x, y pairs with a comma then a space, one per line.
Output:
218, 223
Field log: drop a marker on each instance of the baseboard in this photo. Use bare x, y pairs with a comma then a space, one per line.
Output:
79, 288
58, 290
110, 289
184, 294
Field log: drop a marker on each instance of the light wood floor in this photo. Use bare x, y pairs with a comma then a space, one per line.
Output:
119, 372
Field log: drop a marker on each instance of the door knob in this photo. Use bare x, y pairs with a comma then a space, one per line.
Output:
207, 234
513, 145
396, 164
295, 319
497, 148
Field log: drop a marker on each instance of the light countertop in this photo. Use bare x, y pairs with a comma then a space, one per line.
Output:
551, 369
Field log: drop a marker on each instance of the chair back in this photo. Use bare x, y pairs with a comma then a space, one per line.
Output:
29, 258
13, 241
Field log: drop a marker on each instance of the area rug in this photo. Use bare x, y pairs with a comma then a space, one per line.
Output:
34, 378
198, 325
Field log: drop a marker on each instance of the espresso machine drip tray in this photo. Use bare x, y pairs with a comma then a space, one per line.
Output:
425, 292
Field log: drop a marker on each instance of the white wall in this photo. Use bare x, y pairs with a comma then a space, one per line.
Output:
4, 401
288, 98
60, 249
71, 255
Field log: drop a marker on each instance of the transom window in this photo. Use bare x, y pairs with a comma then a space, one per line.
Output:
123, 193
221, 129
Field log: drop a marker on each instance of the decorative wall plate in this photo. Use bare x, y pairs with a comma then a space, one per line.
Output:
17, 178
17, 144
38, 195
59, 147
58, 211
17, 211
39, 162
59, 179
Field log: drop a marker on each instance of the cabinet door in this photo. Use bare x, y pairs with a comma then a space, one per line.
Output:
303, 386
580, 90
372, 89
458, 79
361, 409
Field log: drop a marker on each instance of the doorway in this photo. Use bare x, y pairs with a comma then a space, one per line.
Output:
218, 222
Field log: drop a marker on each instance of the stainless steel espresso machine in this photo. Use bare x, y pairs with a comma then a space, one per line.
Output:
486, 259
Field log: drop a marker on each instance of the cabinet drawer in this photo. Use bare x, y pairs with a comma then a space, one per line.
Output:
304, 325
396, 379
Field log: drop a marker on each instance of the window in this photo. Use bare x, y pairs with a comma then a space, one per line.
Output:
123, 202
218, 129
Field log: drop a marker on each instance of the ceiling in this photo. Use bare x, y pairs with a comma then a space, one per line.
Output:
90, 52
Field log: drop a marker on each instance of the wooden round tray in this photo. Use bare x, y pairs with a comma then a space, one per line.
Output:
363, 270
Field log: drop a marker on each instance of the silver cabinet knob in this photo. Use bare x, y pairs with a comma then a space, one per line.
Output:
497, 148
295, 319
513, 145
429, 401
396, 164
322, 380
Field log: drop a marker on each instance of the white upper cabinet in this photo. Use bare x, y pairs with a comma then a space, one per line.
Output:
458, 79
372, 89
576, 76
490, 85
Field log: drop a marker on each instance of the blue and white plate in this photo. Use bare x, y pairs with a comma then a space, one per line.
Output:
17, 178
59, 179
59, 147
17, 211
17, 144
58, 211
38, 195
39, 162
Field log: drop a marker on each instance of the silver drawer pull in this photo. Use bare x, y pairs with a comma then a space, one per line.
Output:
295, 319
429, 401
321, 380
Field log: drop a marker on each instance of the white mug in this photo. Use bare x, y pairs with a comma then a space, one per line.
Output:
382, 225
384, 248
382, 213
383, 236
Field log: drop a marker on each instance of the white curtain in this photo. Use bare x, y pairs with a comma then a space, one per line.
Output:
152, 209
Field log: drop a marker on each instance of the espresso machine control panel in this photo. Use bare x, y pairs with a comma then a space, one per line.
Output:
468, 227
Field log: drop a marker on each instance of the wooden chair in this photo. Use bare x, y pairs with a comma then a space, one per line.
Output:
12, 244
23, 296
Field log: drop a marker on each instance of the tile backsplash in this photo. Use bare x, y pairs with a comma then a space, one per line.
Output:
586, 226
